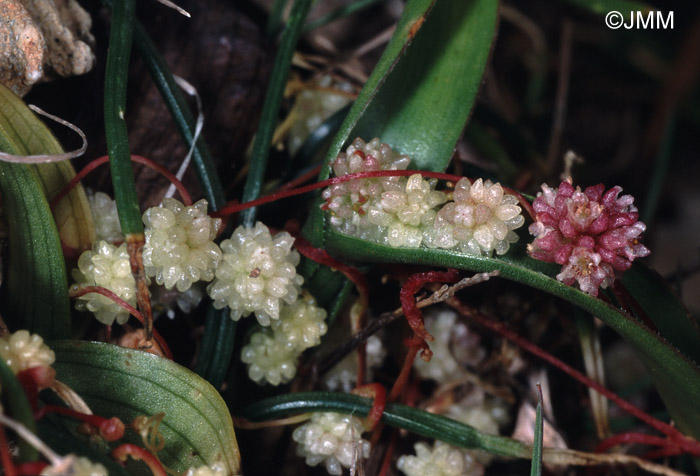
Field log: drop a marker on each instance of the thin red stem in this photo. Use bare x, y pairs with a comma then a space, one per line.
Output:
377, 393
386, 462
83, 290
639, 438
31, 468
7, 465
688, 445
186, 199
301, 179
355, 276
237, 207
124, 451
408, 300
111, 429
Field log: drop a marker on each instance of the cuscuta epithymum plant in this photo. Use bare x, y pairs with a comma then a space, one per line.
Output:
494, 208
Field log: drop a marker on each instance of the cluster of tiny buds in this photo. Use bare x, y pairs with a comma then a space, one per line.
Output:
21, 351
273, 352
592, 233
408, 212
333, 439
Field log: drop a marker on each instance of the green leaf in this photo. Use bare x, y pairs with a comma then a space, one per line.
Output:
414, 420
419, 102
18, 407
536, 466
676, 378
664, 309
126, 383
36, 286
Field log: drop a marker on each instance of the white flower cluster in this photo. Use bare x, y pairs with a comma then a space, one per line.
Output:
350, 203
273, 352
257, 274
403, 212
314, 105
343, 377
333, 439
440, 460
454, 346
75, 466
106, 266
105, 217
481, 219
180, 246
21, 351
213, 470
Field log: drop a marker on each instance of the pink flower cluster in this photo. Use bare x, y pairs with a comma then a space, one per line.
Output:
591, 233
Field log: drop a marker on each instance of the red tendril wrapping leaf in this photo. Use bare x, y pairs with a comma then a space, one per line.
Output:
408, 301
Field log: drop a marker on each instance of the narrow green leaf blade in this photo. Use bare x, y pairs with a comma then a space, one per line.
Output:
419, 102
126, 383
536, 466
676, 377
36, 286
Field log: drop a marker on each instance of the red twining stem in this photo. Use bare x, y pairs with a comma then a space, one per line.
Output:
83, 290
124, 451
688, 445
111, 429
408, 301
640, 438
31, 468
237, 207
35, 379
134, 158
378, 395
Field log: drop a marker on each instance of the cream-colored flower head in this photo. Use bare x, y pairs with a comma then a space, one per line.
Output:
333, 439
351, 203
301, 325
408, 212
75, 466
22, 351
257, 274
106, 266
213, 470
180, 248
440, 460
104, 214
268, 360
479, 221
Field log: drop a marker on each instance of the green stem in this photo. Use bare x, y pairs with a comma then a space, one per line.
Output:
18, 408
274, 21
115, 125
399, 416
271, 106
339, 13
176, 103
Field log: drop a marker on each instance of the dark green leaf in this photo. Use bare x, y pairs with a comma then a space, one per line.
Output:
17, 407
676, 378
36, 286
127, 383
536, 466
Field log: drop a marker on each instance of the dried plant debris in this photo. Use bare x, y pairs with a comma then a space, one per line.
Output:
43, 39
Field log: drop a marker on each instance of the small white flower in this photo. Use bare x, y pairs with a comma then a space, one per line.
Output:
441, 460
180, 248
333, 439
75, 466
479, 221
351, 203
213, 470
22, 351
300, 325
105, 217
106, 266
407, 212
257, 274
269, 360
